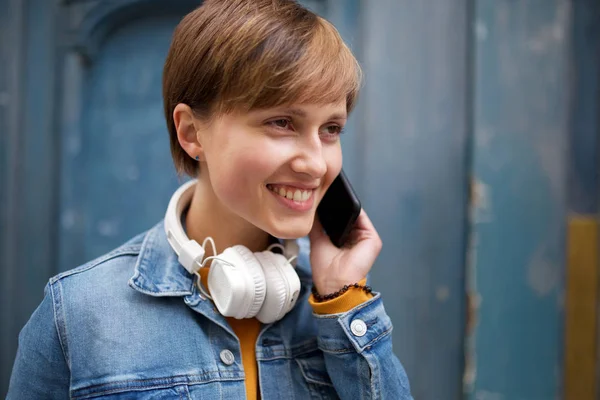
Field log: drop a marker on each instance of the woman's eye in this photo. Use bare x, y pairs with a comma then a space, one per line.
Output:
334, 130
281, 123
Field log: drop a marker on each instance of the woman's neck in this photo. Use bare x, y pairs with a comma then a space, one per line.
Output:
207, 217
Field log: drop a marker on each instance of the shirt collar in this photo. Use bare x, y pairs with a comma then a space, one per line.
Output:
157, 270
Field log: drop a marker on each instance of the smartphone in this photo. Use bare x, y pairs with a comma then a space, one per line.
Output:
339, 210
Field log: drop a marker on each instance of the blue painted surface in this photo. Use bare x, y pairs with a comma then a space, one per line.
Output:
346, 16
406, 151
29, 176
415, 185
7, 52
585, 125
106, 16
117, 169
516, 266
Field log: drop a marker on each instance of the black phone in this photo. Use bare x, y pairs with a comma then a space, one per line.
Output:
339, 210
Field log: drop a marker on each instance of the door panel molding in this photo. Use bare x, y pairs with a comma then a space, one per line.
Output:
107, 16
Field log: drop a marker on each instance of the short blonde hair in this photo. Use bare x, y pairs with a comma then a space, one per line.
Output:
230, 55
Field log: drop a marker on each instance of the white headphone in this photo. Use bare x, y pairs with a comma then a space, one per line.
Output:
242, 284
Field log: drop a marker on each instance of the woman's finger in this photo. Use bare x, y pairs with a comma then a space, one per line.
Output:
364, 222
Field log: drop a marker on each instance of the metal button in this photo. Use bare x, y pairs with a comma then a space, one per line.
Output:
227, 357
358, 327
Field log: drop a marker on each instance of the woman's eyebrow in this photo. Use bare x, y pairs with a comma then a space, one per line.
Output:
296, 111
339, 116
302, 114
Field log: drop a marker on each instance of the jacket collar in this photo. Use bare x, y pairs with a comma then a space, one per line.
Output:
157, 270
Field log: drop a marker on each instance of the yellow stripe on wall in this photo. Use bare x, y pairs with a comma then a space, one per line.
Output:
581, 308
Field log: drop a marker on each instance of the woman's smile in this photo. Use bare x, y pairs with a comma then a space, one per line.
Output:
294, 197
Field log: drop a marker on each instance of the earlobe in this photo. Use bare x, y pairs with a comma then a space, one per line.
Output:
187, 133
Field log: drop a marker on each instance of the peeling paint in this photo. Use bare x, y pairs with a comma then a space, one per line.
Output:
73, 145
133, 173
67, 219
442, 293
108, 227
545, 39
548, 36
543, 274
481, 202
484, 137
481, 31
485, 395
473, 303
552, 158
520, 158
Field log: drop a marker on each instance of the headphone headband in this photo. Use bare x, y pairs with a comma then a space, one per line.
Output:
190, 253
265, 285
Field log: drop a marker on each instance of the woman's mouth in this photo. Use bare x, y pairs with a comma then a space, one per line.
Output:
291, 193
293, 197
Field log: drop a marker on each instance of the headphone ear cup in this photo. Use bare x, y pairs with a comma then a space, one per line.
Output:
257, 290
283, 287
237, 292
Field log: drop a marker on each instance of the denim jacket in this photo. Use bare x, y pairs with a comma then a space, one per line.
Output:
132, 325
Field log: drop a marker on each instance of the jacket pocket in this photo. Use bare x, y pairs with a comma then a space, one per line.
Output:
315, 374
179, 392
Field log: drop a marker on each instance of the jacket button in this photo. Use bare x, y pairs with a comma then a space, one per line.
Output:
358, 327
227, 357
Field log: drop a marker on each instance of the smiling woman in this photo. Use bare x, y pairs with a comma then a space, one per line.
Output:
256, 95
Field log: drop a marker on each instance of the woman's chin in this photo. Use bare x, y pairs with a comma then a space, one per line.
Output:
290, 231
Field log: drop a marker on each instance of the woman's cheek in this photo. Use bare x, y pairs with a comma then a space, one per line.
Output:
334, 164
244, 174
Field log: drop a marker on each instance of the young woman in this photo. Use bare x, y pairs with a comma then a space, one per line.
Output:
256, 95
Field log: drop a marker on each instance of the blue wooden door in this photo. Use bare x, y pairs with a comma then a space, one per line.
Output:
117, 172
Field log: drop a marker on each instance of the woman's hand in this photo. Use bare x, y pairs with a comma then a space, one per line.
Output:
332, 267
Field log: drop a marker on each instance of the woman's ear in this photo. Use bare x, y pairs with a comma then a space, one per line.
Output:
187, 132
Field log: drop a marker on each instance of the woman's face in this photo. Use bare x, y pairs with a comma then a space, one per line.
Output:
272, 167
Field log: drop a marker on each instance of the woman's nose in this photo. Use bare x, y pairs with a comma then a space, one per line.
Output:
310, 159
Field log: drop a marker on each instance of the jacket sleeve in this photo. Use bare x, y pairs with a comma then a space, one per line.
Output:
357, 347
40, 370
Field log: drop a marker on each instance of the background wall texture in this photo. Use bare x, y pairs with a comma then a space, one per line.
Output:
474, 148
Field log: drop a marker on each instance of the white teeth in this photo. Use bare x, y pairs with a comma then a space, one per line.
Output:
297, 195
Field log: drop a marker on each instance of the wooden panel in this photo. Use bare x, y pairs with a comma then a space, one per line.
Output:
581, 309
346, 16
517, 246
10, 46
581, 319
585, 124
414, 188
117, 169
28, 167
